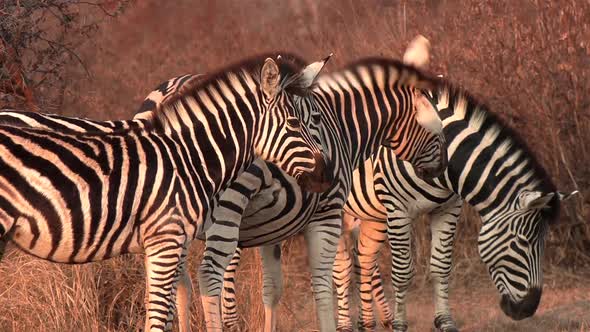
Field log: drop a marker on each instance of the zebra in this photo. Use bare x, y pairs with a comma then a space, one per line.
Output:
57, 170
383, 93
270, 203
489, 168
263, 206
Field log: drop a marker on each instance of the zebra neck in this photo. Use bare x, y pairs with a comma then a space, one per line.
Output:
214, 125
356, 124
487, 168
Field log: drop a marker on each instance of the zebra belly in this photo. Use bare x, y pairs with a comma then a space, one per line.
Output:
43, 244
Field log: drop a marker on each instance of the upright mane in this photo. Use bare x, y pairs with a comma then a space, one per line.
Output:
406, 74
481, 118
247, 71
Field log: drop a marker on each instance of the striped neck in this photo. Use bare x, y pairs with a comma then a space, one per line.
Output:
360, 106
489, 166
220, 117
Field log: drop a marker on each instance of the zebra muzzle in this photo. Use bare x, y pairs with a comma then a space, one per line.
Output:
320, 179
434, 169
523, 309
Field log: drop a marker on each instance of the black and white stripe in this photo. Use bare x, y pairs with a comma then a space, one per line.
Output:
360, 108
75, 190
490, 169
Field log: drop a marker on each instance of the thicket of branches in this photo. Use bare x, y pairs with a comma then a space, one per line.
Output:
38, 38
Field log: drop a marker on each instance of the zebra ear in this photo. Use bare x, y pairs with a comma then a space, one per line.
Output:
270, 78
535, 199
418, 52
310, 73
565, 196
426, 114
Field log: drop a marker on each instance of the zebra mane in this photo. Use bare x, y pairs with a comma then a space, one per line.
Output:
247, 70
479, 116
407, 73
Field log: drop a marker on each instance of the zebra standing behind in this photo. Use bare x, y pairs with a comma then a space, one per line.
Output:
489, 168
273, 205
147, 186
368, 104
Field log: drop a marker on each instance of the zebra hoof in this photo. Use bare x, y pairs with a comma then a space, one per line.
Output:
399, 325
445, 323
344, 329
387, 323
367, 326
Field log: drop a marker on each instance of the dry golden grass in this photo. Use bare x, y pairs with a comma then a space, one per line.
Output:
528, 59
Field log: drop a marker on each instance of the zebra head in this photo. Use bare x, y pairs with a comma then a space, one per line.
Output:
284, 136
419, 139
511, 244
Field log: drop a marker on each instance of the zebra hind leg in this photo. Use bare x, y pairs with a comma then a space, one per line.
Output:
443, 226
163, 263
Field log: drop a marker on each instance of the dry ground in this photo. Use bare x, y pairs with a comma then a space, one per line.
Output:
109, 297
529, 60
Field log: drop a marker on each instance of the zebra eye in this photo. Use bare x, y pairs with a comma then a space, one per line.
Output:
293, 123
316, 118
522, 240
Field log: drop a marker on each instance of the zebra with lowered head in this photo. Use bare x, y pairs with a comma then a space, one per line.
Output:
75, 190
489, 168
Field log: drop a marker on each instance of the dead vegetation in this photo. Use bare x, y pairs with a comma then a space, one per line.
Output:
529, 60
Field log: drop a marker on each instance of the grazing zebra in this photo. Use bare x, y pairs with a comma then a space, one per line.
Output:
75, 190
489, 168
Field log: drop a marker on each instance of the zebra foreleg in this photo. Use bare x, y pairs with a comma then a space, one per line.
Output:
222, 242
321, 236
371, 237
229, 304
272, 284
163, 262
443, 226
399, 228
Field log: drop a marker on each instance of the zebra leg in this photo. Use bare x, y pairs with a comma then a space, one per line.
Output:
184, 295
341, 274
366, 251
272, 284
379, 298
229, 305
222, 242
163, 264
399, 228
321, 237
443, 226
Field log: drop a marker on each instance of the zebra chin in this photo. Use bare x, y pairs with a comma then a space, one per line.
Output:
320, 180
523, 309
432, 170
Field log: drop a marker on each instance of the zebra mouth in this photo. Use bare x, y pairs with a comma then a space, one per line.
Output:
320, 180
523, 309
436, 168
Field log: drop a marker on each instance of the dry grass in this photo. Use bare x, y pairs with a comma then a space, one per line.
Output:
528, 59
